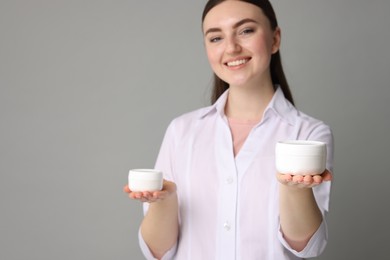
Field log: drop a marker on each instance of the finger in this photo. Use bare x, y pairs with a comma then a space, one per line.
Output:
126, 188
297, 179
317, 179
284, 178
145, 193
158, 195
308, 180
146, 196
135, 195
327, 176
311, 181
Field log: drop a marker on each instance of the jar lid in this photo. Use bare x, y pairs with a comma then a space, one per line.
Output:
145, 174
301, 148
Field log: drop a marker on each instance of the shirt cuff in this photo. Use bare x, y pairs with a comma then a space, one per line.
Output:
148, 254
314, 247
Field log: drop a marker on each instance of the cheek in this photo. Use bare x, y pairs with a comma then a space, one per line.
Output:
270, 43
261, 44
213, 56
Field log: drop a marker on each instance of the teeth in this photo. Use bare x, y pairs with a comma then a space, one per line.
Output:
236, 62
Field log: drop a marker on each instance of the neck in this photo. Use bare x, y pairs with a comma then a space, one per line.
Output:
248, 102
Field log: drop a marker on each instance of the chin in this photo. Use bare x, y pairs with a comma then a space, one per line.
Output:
238, 82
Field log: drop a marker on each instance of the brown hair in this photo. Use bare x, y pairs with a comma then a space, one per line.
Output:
277, 74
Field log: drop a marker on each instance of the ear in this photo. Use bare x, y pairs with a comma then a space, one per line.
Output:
276, 40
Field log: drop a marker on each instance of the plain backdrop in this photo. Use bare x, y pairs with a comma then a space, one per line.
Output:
88, 87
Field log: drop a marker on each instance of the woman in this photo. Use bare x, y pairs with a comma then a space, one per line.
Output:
222, 197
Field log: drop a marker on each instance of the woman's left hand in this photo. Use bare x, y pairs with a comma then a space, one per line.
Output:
306, 181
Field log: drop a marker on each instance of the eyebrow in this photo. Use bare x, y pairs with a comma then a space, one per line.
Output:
238, 24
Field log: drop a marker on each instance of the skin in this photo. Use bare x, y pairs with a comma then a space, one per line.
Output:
236, 31
160, 226
300, 216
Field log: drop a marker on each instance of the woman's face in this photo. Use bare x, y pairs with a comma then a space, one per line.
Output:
239, 42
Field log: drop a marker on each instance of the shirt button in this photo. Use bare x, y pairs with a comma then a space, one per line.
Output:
226, 226
229, 180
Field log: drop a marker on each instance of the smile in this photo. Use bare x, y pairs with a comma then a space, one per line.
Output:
237, 62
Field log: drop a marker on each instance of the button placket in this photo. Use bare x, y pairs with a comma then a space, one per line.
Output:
227, 201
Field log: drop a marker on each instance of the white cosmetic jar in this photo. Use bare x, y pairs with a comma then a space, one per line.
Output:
145, 180
300, 157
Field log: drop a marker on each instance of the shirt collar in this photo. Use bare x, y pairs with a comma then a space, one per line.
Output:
281, 107
217, 107
278, 105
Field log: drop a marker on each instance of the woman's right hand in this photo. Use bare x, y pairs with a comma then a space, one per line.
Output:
169, 188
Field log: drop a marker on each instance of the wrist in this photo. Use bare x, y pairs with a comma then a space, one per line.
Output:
292, 189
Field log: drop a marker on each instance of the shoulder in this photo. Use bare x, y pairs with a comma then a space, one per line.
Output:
186, 122
312, 126
293, 116
310, 120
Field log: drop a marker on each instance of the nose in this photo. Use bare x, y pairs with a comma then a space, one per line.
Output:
232, 45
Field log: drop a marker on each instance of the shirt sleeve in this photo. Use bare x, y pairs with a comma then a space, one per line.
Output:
322, 192
314, 247
148, 254
319, 240
164, 164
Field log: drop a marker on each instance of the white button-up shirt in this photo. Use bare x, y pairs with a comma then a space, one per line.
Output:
229, 206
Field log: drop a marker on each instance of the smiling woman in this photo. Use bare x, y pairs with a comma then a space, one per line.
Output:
239, 43
222, 197
276, 68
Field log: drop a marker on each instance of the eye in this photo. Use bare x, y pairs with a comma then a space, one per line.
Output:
215, 39
247, 31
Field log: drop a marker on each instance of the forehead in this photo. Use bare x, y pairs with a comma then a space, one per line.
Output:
231, 11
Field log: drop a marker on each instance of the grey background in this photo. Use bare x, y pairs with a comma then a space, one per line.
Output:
87, 89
